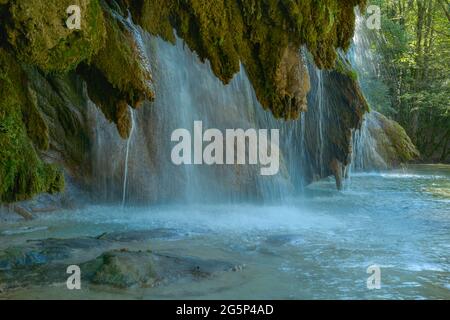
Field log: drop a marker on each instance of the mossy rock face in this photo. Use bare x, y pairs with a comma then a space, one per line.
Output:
62, 101
22, 173
37, 31
345, 106
119, 74
256, 33
123, 62
37, 48
393, 143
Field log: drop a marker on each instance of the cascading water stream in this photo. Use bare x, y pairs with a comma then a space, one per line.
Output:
365, 155
187, 91
321, 109
127, 154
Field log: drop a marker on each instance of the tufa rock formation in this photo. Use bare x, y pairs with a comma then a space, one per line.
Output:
49, 72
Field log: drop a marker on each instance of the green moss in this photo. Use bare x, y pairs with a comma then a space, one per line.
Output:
22, 173
37, 31
405, 150
343, 66
254, 32
109, 86
122, 53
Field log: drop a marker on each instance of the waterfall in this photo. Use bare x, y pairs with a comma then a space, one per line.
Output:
187, 91
365, 155
127, 154
321, 109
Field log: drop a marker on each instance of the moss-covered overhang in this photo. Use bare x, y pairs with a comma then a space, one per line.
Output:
103, 50
258, 33
264, 35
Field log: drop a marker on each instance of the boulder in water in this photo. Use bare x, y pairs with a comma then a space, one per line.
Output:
386, 144
128, 269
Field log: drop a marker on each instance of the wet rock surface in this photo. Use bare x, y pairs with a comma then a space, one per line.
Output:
141, 235
106, 260
128, 269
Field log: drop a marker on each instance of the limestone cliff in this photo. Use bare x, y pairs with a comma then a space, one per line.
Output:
260, 34
49, 72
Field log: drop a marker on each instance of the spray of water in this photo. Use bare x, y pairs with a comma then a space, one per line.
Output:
365, 155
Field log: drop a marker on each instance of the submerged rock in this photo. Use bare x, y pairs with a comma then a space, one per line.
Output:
44, 262
52, 73
122, 269
128, 269
24, 213
45, 251
135, 236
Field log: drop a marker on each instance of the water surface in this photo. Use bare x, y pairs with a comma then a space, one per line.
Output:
316, 246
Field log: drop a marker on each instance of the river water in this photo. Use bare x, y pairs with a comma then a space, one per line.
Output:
318, 245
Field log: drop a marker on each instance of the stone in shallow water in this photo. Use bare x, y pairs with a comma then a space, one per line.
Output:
122, 269
50, 250
38, 252
284, 239
141, 235
44, 262
19, 257
129, 269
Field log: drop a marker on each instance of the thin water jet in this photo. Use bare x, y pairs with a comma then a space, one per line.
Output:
127, 154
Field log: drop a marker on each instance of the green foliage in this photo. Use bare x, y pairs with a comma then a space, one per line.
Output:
414, 54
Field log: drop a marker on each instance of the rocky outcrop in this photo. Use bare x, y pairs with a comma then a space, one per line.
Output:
393, 142
343, 106
256, 33
112, 262
22, 132
43, 101
50, 72
292, 81
384, 144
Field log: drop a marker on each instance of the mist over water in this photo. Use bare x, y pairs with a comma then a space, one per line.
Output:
317, 246
366, 155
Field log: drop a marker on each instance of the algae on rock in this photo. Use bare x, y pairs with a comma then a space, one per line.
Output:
36, 30
22, 173
256, 33
36, 48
